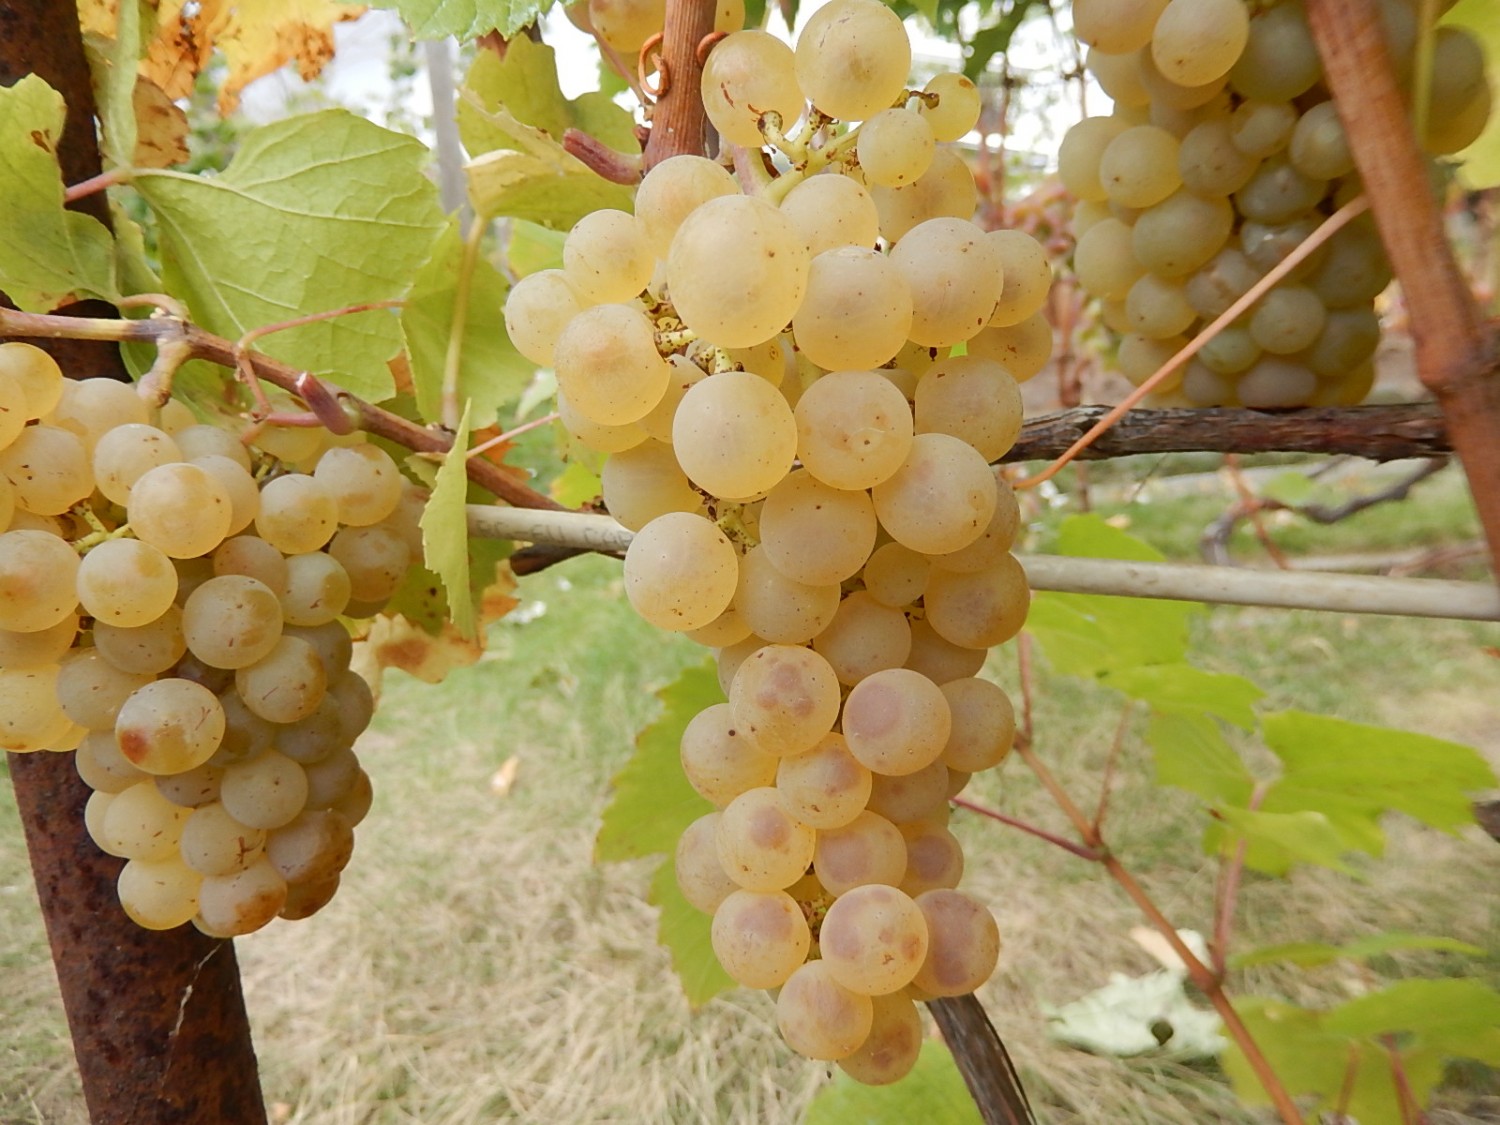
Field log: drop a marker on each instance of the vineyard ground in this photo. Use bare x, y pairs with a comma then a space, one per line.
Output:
477, 967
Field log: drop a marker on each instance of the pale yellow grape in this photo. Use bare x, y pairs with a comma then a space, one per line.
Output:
1209, 162
816, 534
772, 360
726, 629
334, 646
911, 796
48, 468
356, 701
680, 571
266, 792
1116, 25
854, 429
1266, 244
597, 435
780, 609
123, 453
192, 573
364, 481
1220, 282
1349, 338
737, 271
91, 690
1275, 381
830, 210
316, 845
38, 575
939, 660
253, 557
734, 435
315, 737
101, 765
683, 373
749, 74
760, 938
971, 398
1350, 390
317, 589
192, 788
894, 1043
852, 58
1114, 316
1157, 307
239, 486
984, 725
1198, 41
126, 583
1086, 214
955, 276
762, 846
375, 558
174, 415
945, 190
784, 699
718, 761
1026, 276
864, 637
214, 843
895, 146
88, 407
158, 894
211, 441
981, 609
903, 380
1279, 60
94, 810
626, 24
1181, 233
43, 646
537, 309
1278, 193
957, 108
1105, 262
1080, 152
896, 721
1261, 129
940, 499
30, 717
669, 193
232, 621
1450, 133
8, 510
820, 1018
298, 513
608, 366
170, 725
896, 575
180, 509
1202, 386
1172, 99
290, 444
606, 257
826, 787
644, 482
191, 668
873, 939
37, 373
246, 734
141, 824
1319, 148
700, 875
729, 658
869, 849
240, 903
1354, 271
1118, 75
1139, 167
934, 858
963, 943
858, 310
303, 900
285, 685
1287, 319
332, 781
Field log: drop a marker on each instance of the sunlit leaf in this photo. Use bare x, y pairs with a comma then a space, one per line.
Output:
933, 1094
684, 930
467, 19
1309, 953
576, 485
1184, 689
445, 531
1276, 842
1191, 753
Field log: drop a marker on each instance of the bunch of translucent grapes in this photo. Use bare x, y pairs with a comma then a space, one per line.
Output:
807, 464
1222, 154
170, 609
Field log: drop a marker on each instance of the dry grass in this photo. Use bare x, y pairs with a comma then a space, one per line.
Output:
477, 967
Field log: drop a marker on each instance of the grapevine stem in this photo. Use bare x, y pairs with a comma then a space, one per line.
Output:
97, 183
1227, 893
1329, 227
1030, 829
1107, 782
452, 408
511, 435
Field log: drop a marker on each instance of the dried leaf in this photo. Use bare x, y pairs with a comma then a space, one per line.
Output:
161, 127
394, 642
504, 778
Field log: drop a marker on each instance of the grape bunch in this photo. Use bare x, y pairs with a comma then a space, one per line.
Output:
170, 604
1222, 154
769, 362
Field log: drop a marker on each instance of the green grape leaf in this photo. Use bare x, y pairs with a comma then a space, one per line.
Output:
491, 372
445, 531
652, 801
114, 64
1184, 689
1290, 488
1276, 842
314, 212
933, 1093
1311, 953
555, 190
684, 930
995, 39
1191, 753
524, 83
423, 601
1354, 772
1454, 1016
468, 19
48, 254
1479, 164
576, 485
532, 248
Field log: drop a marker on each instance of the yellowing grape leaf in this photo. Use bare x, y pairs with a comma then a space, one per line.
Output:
161, 127
468, 19
445, 531
256, 38
394, 642
491, 372
48, 255
113, 45
315, 212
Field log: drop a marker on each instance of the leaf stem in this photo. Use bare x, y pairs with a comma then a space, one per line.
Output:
463, 290
1030, 829
1106, 783
1227, 891
95, 184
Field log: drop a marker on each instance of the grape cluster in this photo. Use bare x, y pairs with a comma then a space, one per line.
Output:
169, 608
1222, 154
807, 467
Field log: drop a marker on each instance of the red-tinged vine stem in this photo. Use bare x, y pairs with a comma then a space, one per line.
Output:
1227, 895
1030, 829
679, 125
215, 349
1106, 783
1458, 358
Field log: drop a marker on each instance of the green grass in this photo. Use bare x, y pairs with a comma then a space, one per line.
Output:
476, 966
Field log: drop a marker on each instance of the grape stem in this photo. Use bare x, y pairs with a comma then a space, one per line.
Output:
217, 350
679, 123
1226, 892
1030, 829
95, 184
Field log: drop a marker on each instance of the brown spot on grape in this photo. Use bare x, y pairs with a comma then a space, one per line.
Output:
134, 745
